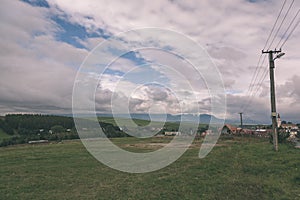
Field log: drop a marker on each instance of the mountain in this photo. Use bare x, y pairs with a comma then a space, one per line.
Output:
203, 118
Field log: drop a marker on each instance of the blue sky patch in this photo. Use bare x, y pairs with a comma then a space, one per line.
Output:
135, 57
37, 3
113, 72
71, 33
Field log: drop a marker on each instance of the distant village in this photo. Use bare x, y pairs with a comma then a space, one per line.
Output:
290, 129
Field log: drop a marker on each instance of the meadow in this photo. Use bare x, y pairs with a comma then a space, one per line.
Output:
237, 168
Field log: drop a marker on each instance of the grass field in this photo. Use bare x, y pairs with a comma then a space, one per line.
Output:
237, 168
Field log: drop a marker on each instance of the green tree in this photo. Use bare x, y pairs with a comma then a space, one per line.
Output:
5, 127
57, 129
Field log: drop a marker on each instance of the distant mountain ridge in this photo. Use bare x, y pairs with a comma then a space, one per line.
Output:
203, 118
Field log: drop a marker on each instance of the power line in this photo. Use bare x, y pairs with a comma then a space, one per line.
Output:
254, 76
274, 24
288, 28
290, 33
255, 88
258, 86
253, 81
248, 119
256, 72
252, 86
281, 23
263, 77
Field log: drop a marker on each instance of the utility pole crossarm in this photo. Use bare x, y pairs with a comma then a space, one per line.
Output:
275, 51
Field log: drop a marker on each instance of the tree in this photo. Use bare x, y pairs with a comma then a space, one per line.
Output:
57, 129
6, 128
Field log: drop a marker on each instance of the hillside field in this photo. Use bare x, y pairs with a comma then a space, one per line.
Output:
237, 168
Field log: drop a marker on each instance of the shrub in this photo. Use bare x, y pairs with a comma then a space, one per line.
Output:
282, 136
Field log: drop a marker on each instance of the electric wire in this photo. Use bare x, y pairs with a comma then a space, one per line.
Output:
263, 77
283, 19
275, 23
288, 28
290, 34
256, 87
256, 72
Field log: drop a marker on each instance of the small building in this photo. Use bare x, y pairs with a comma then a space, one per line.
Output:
289, 126
229, 129
245, 131
292, 129
263, 132
172, 133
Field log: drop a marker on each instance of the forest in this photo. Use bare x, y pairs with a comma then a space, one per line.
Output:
23, 128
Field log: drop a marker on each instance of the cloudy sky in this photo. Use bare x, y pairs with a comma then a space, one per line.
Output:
44, 43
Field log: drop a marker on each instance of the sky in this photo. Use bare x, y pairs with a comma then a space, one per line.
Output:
45, 44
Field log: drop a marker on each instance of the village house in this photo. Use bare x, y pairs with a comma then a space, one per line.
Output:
247, 131
172, 133
292, 129
263, 132
289, 126
229, 129
232, 130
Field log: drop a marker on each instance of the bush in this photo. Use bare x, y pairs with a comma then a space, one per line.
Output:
282, 136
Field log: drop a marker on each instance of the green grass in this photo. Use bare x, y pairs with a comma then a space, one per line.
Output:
238, 168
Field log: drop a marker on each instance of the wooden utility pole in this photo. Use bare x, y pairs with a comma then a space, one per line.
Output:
241, 118
272, 93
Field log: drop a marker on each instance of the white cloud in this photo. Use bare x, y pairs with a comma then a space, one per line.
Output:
233, 33
37, 72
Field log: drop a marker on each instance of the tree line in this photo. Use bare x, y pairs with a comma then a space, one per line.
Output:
27, 127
